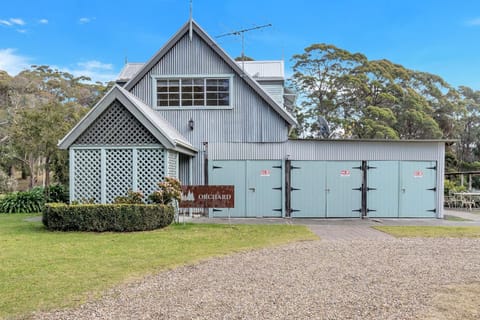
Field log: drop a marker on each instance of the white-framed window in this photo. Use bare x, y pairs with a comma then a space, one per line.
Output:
193, 91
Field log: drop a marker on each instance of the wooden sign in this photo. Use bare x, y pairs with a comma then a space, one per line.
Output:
207, 197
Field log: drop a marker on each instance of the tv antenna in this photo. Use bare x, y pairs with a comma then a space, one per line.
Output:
242, 34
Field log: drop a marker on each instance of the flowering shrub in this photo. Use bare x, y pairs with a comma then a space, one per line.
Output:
168, 191
133, 197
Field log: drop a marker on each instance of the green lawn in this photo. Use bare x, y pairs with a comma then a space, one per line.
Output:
40, 270
432, 231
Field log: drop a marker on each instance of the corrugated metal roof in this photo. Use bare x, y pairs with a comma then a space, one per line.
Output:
129, 71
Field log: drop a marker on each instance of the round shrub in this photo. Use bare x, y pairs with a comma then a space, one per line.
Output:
106, 217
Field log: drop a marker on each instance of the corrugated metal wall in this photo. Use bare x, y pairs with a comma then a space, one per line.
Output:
250, 120
329, 150
183, 169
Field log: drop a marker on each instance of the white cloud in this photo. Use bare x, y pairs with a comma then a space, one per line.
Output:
14, 63
94, 69
43, 21
84, 20
473, 22
17, 21
11, 62
21, 31
5, 23
12, 22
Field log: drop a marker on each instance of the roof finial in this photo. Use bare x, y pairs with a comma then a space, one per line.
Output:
190, 31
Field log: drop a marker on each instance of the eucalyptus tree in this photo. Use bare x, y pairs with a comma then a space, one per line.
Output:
371, 99
42, 105
322, 75
468, 147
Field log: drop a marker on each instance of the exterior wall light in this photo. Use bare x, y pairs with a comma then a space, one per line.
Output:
191, 124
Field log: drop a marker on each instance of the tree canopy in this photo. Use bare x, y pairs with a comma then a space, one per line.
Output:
379, 99
37, 108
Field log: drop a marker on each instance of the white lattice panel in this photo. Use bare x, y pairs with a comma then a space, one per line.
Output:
116, 126
119, 172
87, 177
150, 169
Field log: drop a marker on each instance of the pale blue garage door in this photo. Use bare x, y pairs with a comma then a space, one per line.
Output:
401, 189
258, 186
326, 189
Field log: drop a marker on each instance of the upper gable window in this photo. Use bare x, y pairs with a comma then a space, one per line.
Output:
193, 92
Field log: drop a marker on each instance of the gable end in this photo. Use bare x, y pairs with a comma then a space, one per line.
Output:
116, 126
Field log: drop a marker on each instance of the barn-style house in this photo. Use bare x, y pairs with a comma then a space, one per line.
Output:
193, 113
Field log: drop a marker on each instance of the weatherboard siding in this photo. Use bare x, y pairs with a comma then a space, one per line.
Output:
274, 89
172, 166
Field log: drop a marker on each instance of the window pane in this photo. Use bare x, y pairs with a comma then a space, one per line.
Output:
223, 86
195, 92
223, 102
187, 89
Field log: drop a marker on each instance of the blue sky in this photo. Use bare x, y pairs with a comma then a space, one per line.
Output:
94, 37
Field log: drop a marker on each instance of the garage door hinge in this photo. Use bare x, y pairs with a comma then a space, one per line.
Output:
278, 188
368, 167
217, 210
368, 188
294, 210
359, 168
292, 167
371, 210
433, 189
295, 189
279, 210
433, 168
358, 189
217, 167
277, 167
433, 210
357, 210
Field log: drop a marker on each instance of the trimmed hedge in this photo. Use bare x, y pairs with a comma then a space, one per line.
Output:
106, 217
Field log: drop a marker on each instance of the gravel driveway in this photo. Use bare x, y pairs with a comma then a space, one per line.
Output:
361, 279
